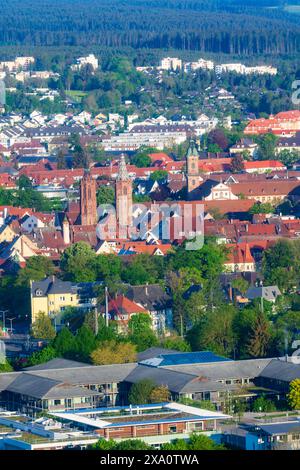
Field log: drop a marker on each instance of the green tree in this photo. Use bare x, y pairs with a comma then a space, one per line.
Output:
281, 264
141, 333
140, 392
141, 160
263, 404
40, 357
78, 263
266, 147
85, 343
42, 327
64, 343
159, 175
105, 195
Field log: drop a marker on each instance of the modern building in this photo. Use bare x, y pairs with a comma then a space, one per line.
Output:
62, 385
155, 424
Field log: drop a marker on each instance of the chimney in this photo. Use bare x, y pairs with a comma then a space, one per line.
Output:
146, 289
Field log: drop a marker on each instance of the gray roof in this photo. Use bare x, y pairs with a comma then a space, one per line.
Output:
51, 285
174, 380
281, 370
267, 292
151, 296
57, 363
88, 375
281, 428
42, 387
224, 370
153, 352
28, 384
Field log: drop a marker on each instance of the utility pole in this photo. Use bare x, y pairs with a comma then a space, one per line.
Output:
106, 306
181, 326
96, 321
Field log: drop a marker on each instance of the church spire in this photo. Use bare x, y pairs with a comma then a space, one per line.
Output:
123, 173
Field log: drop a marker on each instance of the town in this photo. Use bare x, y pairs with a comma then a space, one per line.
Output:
149, 248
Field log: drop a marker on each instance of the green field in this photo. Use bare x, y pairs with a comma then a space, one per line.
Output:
76, 95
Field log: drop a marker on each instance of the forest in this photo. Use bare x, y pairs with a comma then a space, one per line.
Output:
230, 26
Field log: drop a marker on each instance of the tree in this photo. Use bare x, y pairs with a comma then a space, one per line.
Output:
64, 343
105, 195
141, 160
263, 404
218, 137
159, 175
24, 182
266, 147
281, 264
85, 343
42, 327
260, 336
240, 284
36, 269
140, 392
61, 158
214, 332
127, 444
177, 343
40, 357
140, 332
111, 352
294, 394
5, 367
288, 158
160, 394
195, 442
78, 263
261, 208
237, 164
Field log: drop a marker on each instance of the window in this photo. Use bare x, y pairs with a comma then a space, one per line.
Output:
57, 402
172, 429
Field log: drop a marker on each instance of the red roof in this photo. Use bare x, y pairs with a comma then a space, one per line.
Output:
123, 306
263, 164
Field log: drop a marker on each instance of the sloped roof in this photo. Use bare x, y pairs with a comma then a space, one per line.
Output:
281, 370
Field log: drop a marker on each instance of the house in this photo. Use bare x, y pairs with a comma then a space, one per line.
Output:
292, 144
121, 309
244, 145
53, 296
240, 258
269, 293
156, 301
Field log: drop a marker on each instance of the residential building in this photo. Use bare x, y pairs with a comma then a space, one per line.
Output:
53, 297
171, 63
81, 62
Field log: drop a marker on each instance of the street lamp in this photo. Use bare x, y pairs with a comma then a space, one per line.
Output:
11, 320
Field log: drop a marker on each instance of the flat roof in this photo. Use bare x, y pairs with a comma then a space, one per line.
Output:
161, 413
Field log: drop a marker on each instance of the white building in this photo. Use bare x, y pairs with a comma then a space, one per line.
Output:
171, 63
200, 64
84, 61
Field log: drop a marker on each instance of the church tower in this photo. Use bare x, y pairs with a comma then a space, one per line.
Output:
123, 195
193, 176
88, 200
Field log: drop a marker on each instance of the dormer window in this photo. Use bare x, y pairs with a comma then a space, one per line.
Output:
39, 293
